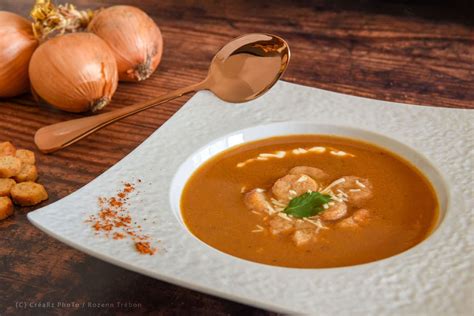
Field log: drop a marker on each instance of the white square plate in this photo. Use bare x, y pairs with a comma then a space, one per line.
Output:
433, 278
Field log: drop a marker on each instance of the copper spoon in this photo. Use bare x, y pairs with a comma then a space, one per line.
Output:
241, 71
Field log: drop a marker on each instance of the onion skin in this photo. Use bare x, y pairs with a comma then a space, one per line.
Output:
17, 44
134, 38
75, 72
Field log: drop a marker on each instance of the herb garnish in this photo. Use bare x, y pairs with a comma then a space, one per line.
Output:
307, 204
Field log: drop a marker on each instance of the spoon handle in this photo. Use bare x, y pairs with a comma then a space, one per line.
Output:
57, 136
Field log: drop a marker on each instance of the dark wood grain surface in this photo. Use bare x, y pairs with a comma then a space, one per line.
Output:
419, 52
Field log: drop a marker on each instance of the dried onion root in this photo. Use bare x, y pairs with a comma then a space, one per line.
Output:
51, 20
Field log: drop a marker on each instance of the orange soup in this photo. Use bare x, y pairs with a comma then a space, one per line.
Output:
309, 201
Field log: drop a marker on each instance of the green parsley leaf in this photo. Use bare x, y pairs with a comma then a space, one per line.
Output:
307, 204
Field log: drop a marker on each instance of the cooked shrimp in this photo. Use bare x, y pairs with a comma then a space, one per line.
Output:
336, 211
360, 218
315, 173
291, 186
301, 224
358, 190
280, 226
303, 237
256, 200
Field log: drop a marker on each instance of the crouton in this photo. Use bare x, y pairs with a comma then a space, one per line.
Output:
6, 207
7, 149
27, 173
28, 193
26, 156
9, 166
5, 186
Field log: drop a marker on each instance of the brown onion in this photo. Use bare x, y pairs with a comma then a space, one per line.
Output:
133, 37
75, 72
17, 44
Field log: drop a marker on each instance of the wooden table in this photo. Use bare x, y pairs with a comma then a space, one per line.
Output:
419, 53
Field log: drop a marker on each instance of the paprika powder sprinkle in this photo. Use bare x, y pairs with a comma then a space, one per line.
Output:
114, 220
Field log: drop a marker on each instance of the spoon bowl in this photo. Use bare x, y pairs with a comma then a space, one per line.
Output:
242, 70
247, 67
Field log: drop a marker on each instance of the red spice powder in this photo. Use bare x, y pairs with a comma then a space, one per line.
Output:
145, 247
118, 236
114, 202
114, 220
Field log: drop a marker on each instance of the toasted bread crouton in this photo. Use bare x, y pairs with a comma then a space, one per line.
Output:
5, 186
27, 173
26, 156
7, 149
6, 207
28, 193
9, 166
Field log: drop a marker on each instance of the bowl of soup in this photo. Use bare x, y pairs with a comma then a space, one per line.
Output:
302, 195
